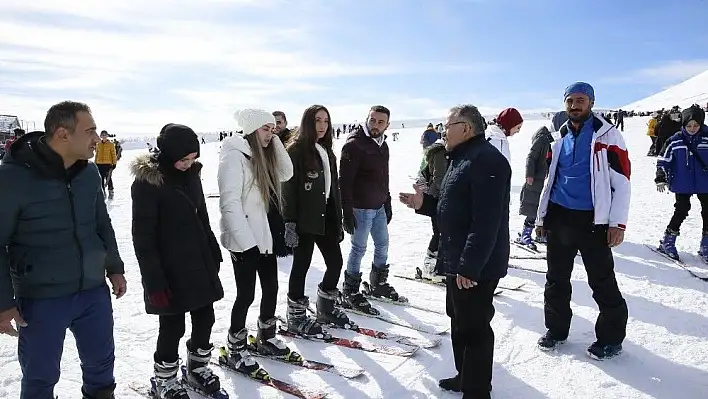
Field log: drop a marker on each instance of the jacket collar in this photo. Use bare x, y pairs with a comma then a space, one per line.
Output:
462, 148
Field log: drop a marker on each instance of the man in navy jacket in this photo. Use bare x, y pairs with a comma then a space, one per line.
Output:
473, 213
58, 248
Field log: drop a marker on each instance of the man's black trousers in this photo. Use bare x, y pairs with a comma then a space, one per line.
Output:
471, 312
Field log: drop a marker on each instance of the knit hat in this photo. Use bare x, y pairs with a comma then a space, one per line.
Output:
693, 113
251, 119
175, 142
580, 88
509, 118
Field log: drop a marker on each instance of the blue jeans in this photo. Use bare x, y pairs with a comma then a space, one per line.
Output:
369, 221
89, 316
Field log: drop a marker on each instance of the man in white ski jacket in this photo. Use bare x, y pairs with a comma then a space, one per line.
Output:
584, 207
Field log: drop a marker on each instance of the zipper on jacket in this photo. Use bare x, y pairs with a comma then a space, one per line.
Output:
76, 236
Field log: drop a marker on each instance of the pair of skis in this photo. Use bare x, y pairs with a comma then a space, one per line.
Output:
533, 253
425, 328
697, 272
414, 343
419, 277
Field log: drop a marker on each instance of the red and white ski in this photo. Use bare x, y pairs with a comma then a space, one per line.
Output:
352, 344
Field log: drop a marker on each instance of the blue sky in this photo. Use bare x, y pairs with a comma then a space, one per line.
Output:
141, 64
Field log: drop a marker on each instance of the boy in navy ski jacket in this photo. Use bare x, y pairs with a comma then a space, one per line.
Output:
682, 168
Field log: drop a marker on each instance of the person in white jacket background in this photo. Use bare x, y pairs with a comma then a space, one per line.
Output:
584, 208
252, 167
505, 125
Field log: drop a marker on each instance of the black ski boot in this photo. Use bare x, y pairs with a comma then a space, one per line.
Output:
378, 281
268, 344
238, 358
352, 298
328, 313
198, 372
298, 320
167, 384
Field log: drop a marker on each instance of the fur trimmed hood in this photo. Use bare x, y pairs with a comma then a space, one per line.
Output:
146, 168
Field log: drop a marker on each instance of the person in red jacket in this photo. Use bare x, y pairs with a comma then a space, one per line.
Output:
18, 133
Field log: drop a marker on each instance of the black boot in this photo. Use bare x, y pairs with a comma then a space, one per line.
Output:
451, 384
378, 280
198, 372
104, 393
328, 313
352, 298
454, 384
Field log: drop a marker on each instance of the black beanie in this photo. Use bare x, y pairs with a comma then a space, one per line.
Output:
175, 142
693, 113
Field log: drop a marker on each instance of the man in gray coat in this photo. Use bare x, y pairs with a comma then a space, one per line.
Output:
58, 248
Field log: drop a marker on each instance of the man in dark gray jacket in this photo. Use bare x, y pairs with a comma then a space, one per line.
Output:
58, 248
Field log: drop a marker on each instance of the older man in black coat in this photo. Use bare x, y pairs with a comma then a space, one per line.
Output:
473, 212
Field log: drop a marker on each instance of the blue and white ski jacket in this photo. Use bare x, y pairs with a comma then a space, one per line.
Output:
679, 166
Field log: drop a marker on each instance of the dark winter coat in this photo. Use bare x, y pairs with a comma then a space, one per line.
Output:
174, 244
304, 195
55, 232
435, 166
537, 168
285, 135
473, 212
363, 173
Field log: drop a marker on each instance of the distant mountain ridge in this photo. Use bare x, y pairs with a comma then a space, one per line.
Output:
692, 91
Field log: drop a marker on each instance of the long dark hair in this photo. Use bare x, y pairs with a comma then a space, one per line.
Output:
306, 136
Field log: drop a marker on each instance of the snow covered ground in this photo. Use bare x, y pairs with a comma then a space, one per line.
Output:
666, 351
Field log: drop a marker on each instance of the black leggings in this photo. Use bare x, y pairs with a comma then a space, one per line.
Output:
106, 177
681, 208
328, 245
245, 275
172, 329
435, 238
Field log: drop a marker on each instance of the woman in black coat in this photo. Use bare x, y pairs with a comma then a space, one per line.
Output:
313, 216
536, 173
178, 256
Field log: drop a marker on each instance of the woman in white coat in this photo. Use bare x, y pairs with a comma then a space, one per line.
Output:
505, 125
252, 167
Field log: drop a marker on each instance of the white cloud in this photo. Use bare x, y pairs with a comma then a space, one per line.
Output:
666, 74
140, 64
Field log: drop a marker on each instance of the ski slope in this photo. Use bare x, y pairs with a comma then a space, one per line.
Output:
666, 350
685, 94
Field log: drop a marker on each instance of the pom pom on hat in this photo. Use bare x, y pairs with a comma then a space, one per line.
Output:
251, 119
509, 118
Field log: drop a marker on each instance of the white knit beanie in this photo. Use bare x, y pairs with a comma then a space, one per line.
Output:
251, 119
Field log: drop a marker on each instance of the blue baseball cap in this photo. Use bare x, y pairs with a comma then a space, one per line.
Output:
580, 88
